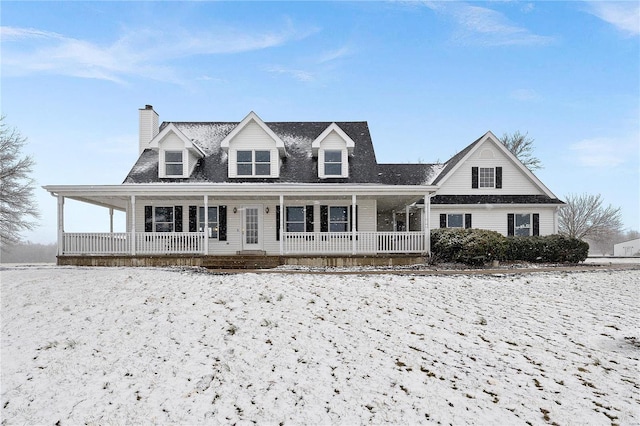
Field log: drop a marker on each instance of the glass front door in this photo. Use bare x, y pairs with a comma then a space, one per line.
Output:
251, 228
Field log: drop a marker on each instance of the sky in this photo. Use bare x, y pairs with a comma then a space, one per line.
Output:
428, 77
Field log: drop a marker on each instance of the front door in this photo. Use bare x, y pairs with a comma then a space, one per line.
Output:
251, 229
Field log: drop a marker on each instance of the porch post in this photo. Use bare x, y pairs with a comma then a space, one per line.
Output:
393, 219
427, 224
206, 226
60, 225
406, 218
133, 225
111, 220
353, 225
281, 224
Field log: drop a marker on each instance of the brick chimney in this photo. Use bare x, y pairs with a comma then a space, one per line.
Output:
148, 126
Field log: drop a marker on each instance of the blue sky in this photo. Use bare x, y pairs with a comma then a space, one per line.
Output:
429, 77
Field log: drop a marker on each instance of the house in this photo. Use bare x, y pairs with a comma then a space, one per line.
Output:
298, 192
627, 248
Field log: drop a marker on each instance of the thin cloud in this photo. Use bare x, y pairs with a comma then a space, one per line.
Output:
601, 152
525, 95
333, 55
298, 74
483, 26
625, 16
143, 53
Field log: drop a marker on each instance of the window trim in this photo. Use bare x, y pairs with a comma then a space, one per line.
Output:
323, 163
484, 180
516, 227
333, 163
254, 163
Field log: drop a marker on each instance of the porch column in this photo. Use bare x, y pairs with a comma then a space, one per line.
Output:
206, 226
281, 225
111, 220
133, 225
393, 219
427, 224
353, 225
60, 225
406, 219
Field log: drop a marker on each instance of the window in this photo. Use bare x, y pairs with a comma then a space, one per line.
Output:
338, 219
295, 219
163, 219
486, 177
333, 163
454, 221
523, 225
253, 163
212, 228
173, 163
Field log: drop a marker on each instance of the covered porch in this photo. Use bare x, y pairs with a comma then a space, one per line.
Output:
379, 220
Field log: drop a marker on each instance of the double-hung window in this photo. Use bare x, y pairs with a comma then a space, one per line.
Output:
333, 163
454, 220
295, 219
173, 163
163, 219
522, 225
338, 219
253, 163
212, 226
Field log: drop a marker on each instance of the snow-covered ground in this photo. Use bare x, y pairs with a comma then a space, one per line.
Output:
142, 346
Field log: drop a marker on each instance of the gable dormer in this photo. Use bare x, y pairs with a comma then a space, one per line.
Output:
333, 148
177, 154
253, 150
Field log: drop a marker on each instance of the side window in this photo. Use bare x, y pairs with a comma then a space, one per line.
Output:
338, 219
253, 163
454, 221
262, 163
522, 225
173, 163
295, 219
486, 177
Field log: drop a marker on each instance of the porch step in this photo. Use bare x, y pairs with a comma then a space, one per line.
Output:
251, 253
241, 262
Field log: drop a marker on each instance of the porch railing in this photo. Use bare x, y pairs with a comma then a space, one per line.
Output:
194, 243
343, 243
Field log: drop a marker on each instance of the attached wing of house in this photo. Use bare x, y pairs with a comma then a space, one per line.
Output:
299, 189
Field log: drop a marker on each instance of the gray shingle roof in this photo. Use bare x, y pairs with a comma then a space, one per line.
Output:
300, 166
494, 199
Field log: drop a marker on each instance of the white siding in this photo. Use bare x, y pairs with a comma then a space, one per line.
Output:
494, 218
514, 180
253, 137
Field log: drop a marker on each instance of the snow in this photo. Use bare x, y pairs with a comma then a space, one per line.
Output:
207, 135
182, 346
434, 172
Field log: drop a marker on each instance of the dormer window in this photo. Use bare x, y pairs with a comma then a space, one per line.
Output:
333, 163
254, 163
173, 163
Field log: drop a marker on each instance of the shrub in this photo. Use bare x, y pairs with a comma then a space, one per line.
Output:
477, 246
550, 248
469, 246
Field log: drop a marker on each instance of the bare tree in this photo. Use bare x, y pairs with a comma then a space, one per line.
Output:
17, 205
522, 147
583, 216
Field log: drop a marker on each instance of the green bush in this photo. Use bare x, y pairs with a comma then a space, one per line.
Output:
469, 246
478, 246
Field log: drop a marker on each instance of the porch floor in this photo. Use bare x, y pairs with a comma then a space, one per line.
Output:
243, 261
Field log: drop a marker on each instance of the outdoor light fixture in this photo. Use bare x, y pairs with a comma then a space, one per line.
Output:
266, 210
235, 210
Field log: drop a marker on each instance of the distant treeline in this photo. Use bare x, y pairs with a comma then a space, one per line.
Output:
28, 253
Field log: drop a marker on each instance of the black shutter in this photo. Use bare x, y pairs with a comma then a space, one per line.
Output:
193, 218
148, 219
536, 224
498, 177
309, 218
510, 224
443, 220
222, 223
474, 177
324, 218
356, 217
467, 220
352, 221
277, 223
177, 219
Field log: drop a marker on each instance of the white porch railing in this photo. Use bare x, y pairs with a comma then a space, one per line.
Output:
342, 242
145, 243
194, 243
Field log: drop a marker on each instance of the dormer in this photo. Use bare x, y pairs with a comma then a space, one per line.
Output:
177, 154
333, 148
253, 149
